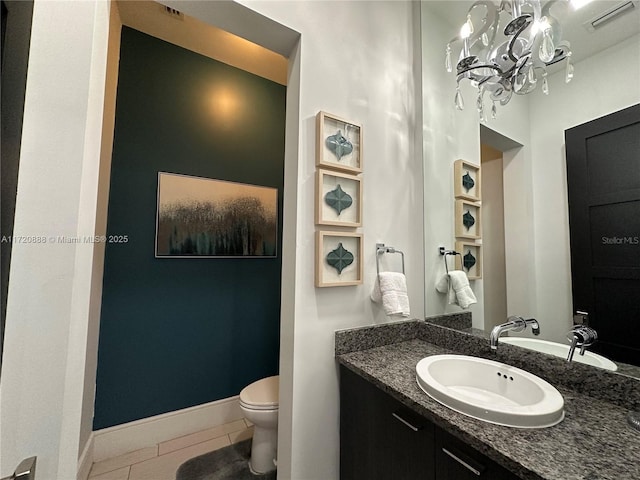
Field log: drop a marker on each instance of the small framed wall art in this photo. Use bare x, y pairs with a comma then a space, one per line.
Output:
468, 219
338, 199
470, 259
338, 144
338, 259
466, 181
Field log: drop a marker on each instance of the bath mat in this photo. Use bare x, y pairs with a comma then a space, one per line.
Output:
228, 463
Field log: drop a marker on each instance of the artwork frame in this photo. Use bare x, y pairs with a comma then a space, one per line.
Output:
339, 143
199, 217
329, 242
338, 199
464, 175
475, 249
468, 219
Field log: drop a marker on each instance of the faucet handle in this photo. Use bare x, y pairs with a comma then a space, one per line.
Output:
582, 336
535, 326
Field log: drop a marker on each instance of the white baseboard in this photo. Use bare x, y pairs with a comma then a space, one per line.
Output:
86, 459
121, 439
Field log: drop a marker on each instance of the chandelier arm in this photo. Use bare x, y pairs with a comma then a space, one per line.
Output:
461, 75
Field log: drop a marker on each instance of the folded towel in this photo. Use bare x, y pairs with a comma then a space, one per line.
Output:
390, 289
444, 286
456, 284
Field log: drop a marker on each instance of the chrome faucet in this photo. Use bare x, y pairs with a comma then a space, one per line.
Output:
581, 336
514, 324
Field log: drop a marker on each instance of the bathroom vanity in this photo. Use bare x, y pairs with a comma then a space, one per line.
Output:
380, 437
390, 428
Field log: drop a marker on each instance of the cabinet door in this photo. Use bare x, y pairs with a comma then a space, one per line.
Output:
357, 427
456, 460
379, 437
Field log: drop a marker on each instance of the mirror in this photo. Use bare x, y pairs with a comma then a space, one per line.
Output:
526, 255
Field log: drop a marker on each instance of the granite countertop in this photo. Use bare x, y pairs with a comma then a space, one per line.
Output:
593, 442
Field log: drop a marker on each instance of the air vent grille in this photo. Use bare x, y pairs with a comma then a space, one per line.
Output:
610, 14
173, 13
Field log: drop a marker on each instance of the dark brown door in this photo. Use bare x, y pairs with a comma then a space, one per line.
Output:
603, 178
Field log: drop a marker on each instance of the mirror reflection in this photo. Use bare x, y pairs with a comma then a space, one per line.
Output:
533, 262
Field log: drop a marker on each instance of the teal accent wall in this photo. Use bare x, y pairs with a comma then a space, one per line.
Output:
174, 332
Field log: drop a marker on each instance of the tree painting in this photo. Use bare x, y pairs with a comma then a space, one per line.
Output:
200, 217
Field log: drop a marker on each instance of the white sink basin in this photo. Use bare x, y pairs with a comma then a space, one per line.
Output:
561, 350
490, 391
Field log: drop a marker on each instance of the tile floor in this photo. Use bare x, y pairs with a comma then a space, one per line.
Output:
161, 461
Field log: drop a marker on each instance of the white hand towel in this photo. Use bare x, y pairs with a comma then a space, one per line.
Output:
460, 284
444, 286
390, 289
456, 284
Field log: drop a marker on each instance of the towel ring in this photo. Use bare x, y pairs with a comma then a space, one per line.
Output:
380, 249
444, 252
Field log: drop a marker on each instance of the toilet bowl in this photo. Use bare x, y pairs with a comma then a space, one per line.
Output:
259, 404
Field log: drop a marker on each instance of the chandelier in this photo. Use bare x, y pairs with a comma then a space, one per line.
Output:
510, 59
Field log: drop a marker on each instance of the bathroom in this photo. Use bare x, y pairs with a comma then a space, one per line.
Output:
372, 72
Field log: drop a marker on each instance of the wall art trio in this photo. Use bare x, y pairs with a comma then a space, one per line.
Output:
338, 201
468, 218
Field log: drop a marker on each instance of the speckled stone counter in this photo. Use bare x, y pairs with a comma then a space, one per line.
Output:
592, 443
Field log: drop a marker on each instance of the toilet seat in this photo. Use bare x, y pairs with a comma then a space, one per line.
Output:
261, 394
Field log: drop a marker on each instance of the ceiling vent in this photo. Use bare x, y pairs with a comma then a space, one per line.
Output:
610, 14
172, 12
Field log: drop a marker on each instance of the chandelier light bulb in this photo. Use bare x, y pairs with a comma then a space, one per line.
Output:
541, 25
447, 59
467, 29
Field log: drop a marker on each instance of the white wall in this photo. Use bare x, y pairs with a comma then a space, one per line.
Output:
42, 381
602, 84
111, 84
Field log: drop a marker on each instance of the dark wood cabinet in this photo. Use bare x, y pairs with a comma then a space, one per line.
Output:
455, 460
382, 439
379, 437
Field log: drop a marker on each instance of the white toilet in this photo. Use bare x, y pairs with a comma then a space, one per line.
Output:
259, 404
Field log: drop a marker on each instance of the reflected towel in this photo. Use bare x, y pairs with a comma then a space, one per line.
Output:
390, 289
456, 285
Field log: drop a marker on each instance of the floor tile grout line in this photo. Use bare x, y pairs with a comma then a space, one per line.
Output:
202, 441
157, 448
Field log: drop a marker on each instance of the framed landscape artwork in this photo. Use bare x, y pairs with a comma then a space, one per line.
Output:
203, 217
